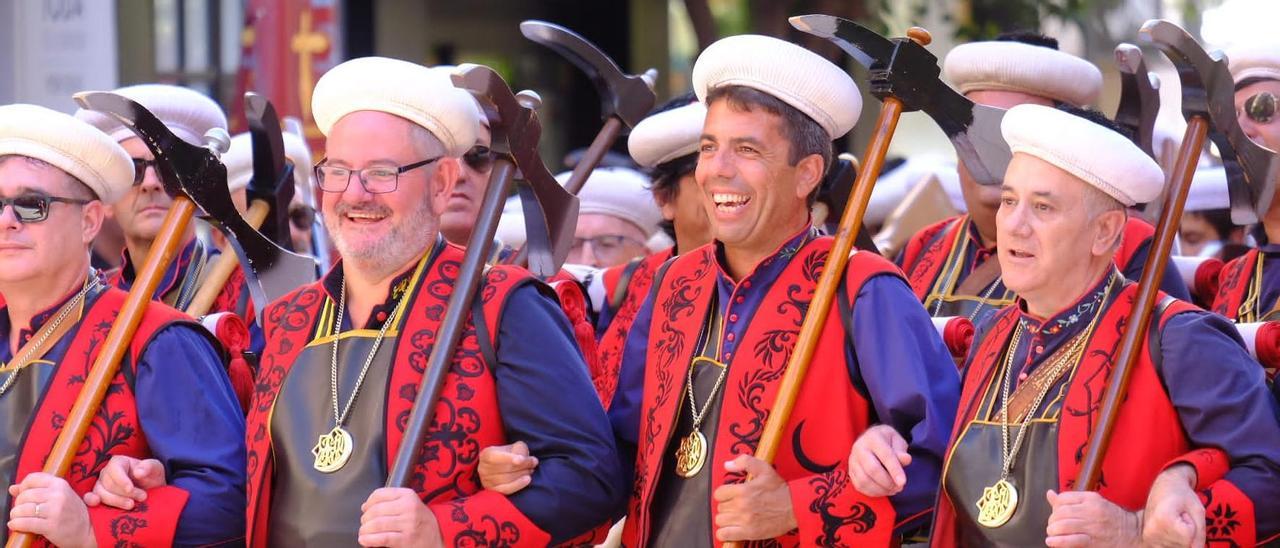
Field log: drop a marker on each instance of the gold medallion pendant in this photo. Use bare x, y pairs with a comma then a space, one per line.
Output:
691, 455
997, 504
332, 450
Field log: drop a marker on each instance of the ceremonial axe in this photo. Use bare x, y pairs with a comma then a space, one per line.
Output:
163, 250
625, 99
196, 173
269, 191
1208, 104
974, 130
1139, 97
837, 260
550, 214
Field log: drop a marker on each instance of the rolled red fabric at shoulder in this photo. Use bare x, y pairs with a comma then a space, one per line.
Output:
957, 333
1201, 276
1263, 341
233, 333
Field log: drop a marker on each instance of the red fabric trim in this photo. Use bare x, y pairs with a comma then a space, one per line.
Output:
1137, 231
153, 522
1228, 515
485, 519
446, 468
115, 429
1211, 465
614, 337
1234, 282
926, 253
828, 417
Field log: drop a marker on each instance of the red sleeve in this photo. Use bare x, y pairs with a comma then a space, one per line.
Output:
831, 512
150, 523
486, 518
1228, 512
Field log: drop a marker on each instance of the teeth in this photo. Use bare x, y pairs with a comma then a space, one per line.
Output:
727, 199
356, 215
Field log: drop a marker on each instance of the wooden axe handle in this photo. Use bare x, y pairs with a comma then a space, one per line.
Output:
221, 270
1184, 168
828, 284
107, 363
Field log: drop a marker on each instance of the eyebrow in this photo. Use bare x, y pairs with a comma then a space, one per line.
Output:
381, 162
1035, 194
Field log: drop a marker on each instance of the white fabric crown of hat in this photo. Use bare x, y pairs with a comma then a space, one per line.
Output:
667, 135
187, 113
794, 75
66, 143
622, 193
239, 162
1254, 61
1026, 68
446, 72
1094, 154
400, 88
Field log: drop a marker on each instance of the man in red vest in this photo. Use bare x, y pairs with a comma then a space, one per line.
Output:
949, 263
1196, 450
169, 424
702, 362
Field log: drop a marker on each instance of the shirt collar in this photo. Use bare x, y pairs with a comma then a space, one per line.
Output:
776, 260
332, 284
1076, 316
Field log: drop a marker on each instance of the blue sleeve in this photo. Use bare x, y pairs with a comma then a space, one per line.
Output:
194, 426
624, 412
910, 379
1171, 283
547, 400
1222, 401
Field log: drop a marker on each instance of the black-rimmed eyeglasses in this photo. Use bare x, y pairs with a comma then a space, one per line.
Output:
375, 179
34, 208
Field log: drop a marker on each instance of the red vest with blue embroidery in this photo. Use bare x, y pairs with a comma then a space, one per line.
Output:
1234, 283
1148, 434
466, 418
829, 414
115, 429
615, 336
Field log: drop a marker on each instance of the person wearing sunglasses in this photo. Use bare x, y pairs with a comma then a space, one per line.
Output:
1249, 286
344, 355
459, 217
141, 212
170, 419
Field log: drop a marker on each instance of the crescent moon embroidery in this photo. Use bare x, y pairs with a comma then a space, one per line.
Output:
797, 448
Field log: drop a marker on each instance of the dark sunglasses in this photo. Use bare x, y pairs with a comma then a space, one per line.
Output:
35, 208
302, 217
479, 158
140, 169
1261, 108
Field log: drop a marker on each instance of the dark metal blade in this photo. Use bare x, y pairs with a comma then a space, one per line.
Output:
1139, 97
272, 180
627, 96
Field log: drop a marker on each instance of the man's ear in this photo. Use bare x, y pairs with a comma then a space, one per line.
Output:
809, 171
91, 218
442, 183
1110, 230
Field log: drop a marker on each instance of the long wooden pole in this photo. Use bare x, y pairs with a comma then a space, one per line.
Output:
221, 270
107, 364
829, 282
1139, 321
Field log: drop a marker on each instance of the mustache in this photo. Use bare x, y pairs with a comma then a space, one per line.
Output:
343, 208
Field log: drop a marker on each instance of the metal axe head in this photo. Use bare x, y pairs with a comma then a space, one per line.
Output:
196, 173
1208, 91
903, 69
550, 212
1139, 97
272, 180
627, 96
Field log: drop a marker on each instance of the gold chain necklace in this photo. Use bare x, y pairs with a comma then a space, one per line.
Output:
692, 453
334, 448
90, 283
999, 501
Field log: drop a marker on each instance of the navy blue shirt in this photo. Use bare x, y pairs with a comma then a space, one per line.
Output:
894, 354
191, 419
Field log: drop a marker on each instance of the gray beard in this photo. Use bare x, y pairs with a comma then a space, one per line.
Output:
384, 256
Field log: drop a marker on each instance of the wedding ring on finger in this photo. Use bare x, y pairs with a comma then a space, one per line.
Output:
38, 516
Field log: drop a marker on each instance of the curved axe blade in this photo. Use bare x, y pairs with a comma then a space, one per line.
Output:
627, 96
550, 212
1208, 91
272, 180
905, 70
1139, 97
196, 173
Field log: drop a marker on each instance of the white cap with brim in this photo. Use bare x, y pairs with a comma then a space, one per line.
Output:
400, 88
66, 143
1094, 154
1260, 60
239, 162
622, 193
187, 113
667, 135
796, 76
1025, 68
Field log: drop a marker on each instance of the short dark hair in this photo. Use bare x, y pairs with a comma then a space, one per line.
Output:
802, 132
666, 175
1097, 118
76, 187
1028, 37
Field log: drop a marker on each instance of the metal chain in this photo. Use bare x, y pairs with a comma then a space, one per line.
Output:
341, 417
89, 285
699, 415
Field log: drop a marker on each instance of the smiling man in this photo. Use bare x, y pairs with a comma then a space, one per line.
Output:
1196, 446
701, 364
169, 419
